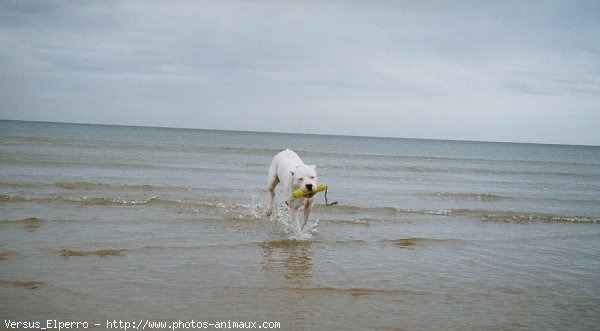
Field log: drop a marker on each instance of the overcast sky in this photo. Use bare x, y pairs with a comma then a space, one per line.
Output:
523, 71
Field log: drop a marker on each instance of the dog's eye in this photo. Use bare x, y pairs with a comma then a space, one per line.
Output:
300, 178
312, 177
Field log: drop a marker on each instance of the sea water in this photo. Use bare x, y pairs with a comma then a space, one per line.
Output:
134, 224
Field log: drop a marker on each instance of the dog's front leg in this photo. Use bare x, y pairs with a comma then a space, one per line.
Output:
306, 213
295, 216
271, 199
273, 181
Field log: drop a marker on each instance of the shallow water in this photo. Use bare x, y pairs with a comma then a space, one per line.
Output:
101, 223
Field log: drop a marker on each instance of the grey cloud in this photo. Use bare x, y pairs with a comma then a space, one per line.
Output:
400, 69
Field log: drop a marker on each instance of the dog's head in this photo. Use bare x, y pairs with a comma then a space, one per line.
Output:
304, 178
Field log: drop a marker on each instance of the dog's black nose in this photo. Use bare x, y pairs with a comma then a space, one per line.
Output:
309, 187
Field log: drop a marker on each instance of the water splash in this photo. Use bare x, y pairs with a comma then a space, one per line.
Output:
282, 215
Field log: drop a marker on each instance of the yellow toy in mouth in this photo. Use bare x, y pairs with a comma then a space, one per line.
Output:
300, 193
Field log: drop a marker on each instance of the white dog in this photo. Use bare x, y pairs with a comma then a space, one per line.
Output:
289, 169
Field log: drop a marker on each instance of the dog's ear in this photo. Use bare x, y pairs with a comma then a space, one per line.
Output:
314, 167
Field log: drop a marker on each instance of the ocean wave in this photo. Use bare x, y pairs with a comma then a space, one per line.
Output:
386, 213
467, 196
335, 214
31, 223
356, 292
102, 252
283, 244
27, 284
102, 201
7, 255
21, 160
519, 217
361, 221
107, 187
22, 185
382, 211
137, 146
350, 209
100, 186
397, 162
525, 218
107, 201
386, 171
409, 242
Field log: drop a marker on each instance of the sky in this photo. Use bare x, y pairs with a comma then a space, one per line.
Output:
518, 71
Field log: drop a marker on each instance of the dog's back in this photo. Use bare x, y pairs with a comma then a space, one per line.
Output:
282, 163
